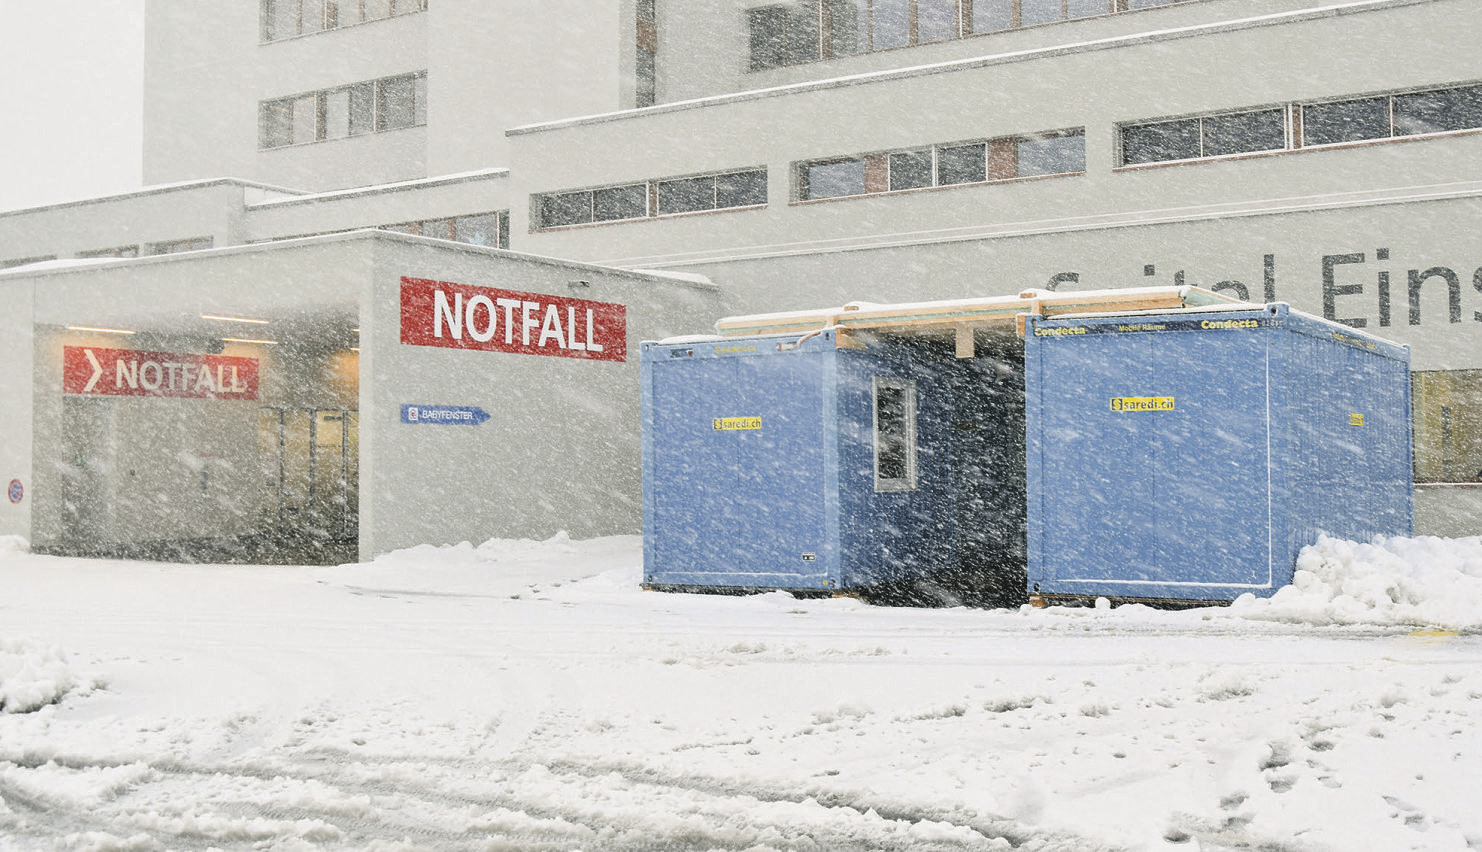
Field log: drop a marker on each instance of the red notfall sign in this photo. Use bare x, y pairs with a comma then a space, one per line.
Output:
92, 371
458, 316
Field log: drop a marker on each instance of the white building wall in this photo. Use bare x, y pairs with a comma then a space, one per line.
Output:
562, 449
1370, 48
489, 65
16, 431
200, 90
211, 209
431, 198
497, 65
704, 45
204, 81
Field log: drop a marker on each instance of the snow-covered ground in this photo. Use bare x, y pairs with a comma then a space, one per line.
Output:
529, 696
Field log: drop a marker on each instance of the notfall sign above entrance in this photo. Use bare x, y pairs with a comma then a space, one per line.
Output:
90, 371
459, 316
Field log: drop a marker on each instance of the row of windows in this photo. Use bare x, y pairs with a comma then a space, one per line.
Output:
1060, 153
133, 250
22, 261
984, 161
810, 30
478, 229
1304, 125
167, 247
288, 18
1357, 119
374, 106
722, 191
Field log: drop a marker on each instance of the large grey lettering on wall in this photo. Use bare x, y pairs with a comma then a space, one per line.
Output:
1355, 290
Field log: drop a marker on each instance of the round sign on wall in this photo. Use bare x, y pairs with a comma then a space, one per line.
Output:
16, 491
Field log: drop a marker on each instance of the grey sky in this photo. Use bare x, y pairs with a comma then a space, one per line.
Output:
72, 99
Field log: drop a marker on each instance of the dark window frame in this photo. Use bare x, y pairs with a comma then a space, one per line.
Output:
894, 433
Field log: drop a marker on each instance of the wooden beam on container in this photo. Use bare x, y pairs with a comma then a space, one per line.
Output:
965, 341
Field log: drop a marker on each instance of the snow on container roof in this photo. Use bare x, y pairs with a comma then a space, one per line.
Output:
967, 315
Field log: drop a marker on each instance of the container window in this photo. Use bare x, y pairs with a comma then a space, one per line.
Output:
895, 434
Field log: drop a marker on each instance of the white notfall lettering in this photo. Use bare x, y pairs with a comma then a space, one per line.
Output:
592, 346
527, 317
509, 306
571, 329
473, 329
452, 314
174, 375
551, 327
528, 321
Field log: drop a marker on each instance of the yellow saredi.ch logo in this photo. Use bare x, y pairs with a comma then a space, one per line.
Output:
1142, 403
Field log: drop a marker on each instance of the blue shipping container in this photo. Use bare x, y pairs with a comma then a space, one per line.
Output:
787, 462
1191, 455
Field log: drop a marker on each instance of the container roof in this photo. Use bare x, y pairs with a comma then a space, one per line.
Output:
967, 315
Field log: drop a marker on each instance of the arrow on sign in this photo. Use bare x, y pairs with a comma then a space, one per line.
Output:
97, 371
444, 415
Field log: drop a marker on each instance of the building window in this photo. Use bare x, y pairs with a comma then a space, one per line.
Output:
1447, 425
895, 434
177, 246
659, 197
1010, 158
477, 229
1345, 121
289, 18
784, 35
798, 32
22, 261
645, 67
119, 251
1336, 122
795, 33
374, 106
1389, 116
1205, 136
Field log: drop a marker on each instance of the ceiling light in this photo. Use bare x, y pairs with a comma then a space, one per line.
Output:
101, 330
234, 319
249, 340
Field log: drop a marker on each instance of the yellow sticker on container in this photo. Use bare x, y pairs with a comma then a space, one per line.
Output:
736, 424
1142, 403
1355, 419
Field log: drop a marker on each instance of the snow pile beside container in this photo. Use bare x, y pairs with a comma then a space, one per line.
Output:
1425, 582
32, 676
13, 544
496, 567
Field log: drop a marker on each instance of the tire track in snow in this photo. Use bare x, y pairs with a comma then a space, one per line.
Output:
326, 799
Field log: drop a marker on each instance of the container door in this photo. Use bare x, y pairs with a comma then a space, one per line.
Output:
1157, 463
738, 473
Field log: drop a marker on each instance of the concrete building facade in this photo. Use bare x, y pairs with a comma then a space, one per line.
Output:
325, 398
